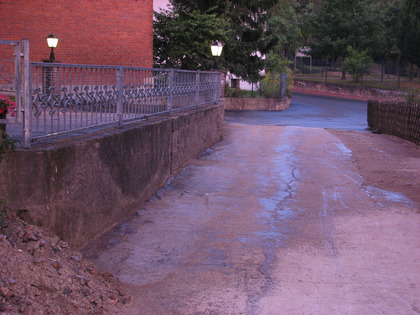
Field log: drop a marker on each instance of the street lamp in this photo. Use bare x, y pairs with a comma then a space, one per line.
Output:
52, 42
216, 51
216, 48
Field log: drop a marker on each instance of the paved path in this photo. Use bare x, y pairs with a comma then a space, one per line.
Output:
310, 111
275, 220
265, 227
328, 94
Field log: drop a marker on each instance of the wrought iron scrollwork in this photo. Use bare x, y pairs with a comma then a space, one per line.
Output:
63, 99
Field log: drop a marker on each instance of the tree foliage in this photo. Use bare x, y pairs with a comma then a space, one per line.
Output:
388, 17
337, 24
357, 63
219, 7
409, 39
248, 41
182, 39
284, 26
275, 63
257, 29
384, 30
183, 35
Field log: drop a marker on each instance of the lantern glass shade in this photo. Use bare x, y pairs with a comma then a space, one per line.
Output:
52, 41
216, 48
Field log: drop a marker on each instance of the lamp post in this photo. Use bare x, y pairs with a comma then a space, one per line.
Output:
216, 51
52, 42
48, 72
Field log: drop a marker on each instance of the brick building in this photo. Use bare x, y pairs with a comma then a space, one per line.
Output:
102, 32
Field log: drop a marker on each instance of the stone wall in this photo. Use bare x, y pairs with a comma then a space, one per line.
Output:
81, 188
350, 90
256, 104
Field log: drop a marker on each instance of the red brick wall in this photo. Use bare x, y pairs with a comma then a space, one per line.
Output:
104, 32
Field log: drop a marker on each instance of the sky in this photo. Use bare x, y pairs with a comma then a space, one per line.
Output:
159, 4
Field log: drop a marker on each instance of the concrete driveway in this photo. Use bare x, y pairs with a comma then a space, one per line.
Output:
278, 220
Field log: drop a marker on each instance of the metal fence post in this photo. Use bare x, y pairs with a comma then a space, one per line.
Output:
197, 86
27, 96
120, 99
18, 83
221, 80
283, 85
171, 89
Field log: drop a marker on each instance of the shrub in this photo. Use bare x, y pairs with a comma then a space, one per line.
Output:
6, 143
357, 63
270, 85
413, 97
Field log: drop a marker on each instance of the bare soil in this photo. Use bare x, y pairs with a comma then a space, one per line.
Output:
386, 162
40, 274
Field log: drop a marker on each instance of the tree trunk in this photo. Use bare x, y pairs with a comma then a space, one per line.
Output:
411, 71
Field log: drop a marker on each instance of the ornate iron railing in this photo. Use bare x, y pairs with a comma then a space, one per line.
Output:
67, 97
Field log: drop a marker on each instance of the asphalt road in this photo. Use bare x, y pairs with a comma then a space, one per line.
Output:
283, 216
310, 111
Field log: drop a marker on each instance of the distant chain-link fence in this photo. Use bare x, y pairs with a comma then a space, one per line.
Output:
387, 74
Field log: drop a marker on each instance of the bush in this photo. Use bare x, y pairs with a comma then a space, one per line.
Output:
357, 63
235, 93
413, 97
270, 85
6, 143
238, 93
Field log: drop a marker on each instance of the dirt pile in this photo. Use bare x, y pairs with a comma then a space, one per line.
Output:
41, 274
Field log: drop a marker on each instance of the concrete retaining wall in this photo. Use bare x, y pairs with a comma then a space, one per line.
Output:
256, 104
343, 89
79, 189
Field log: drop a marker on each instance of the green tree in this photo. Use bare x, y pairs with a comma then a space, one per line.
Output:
357, 63
284, 26
182, 39
389, 26
249, 40
409, 39
219, 7
275, 63
184, 33
336, 24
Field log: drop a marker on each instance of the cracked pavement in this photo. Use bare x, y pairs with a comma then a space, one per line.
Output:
278, 220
